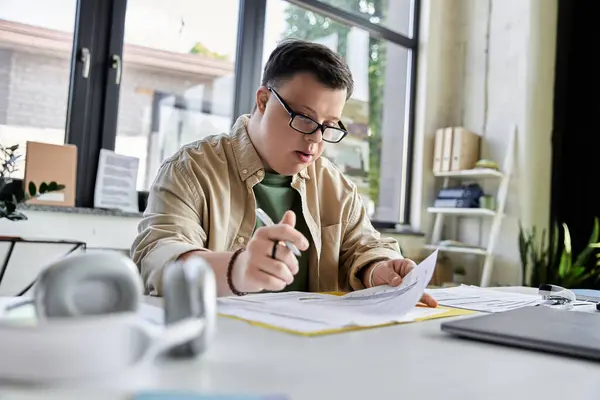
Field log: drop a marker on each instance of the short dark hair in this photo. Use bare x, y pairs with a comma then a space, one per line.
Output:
294, 56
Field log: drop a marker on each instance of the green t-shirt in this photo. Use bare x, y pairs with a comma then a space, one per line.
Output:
275, 196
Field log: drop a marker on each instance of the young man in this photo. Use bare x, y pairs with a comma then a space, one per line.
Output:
204, 198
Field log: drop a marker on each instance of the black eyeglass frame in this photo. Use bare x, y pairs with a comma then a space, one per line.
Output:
293, 114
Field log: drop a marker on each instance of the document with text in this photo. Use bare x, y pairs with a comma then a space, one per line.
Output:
313, 312
481, 299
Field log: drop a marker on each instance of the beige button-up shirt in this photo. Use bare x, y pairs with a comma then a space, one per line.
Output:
202, 199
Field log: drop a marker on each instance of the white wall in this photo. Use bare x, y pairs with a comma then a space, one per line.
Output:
486, 65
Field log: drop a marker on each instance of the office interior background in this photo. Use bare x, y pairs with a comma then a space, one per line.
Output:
144, 77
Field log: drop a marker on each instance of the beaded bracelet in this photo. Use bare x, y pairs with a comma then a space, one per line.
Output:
229, 273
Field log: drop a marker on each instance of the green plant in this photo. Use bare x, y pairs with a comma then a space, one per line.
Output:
548, 260
8, 199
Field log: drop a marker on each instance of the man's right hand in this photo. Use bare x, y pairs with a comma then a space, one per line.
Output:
255, 270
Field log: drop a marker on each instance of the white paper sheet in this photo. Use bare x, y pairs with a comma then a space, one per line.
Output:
310, 312
481, 299
116, 182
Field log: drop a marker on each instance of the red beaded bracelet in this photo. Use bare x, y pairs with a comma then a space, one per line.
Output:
229, 273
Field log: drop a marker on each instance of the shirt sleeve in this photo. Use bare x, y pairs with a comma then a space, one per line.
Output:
362, 244
171, 224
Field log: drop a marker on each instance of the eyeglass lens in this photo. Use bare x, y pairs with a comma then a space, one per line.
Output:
306, 125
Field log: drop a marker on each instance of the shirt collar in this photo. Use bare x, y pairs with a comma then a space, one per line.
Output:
247, 159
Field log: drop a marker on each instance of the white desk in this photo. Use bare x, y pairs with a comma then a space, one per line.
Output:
407, 361
411, 361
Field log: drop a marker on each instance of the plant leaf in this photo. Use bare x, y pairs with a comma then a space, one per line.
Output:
43, 187
32, 189
565, 259
554, 247
586, 253
524, 252
10, 207
16, 216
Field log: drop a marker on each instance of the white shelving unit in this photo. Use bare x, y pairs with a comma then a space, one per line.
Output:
477, 212
503, 178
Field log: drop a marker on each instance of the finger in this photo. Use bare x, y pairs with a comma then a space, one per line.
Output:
403, 266
385, 274
276, 268
429, 301
289, 218
286, 256
282, 232
266, 281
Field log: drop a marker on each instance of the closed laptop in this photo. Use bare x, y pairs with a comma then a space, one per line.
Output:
539, 328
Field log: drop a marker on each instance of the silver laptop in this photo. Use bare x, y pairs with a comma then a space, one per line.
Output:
570, 333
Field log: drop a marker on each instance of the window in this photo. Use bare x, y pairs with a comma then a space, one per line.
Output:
35, 69
144, 77
374, 154
177, 81
393, 14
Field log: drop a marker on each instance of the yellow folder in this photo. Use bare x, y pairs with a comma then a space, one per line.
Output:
448, 312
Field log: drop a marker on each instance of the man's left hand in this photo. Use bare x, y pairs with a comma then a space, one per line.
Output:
391, 272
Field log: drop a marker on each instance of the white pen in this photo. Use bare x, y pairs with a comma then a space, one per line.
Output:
268, 222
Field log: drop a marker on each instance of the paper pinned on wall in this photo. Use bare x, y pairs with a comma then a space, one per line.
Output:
312, 312
116, 182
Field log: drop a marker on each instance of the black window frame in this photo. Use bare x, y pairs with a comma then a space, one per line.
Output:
93, 102
91, 121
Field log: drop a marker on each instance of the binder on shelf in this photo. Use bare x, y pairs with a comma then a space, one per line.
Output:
447, 149
438, 150
465, 149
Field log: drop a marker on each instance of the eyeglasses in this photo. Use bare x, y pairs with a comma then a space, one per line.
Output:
308, 126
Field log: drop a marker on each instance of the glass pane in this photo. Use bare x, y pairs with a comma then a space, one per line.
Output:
395, 15
372, 154
35, 69
177, 84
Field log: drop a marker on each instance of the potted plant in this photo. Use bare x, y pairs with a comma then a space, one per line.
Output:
12, 196
459, 275
548, 259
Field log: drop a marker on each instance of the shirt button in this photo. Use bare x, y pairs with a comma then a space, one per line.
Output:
240, 239
244, 171
260, 173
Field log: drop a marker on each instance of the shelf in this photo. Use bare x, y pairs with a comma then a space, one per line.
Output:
478, 212
457, 249
470, 173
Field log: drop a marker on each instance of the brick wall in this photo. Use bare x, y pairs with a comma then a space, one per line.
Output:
38, 89
34, 92
5, 63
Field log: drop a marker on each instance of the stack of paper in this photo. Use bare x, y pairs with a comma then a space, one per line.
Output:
312, 312
484, 300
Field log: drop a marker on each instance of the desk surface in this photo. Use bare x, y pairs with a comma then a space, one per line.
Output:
409, 361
